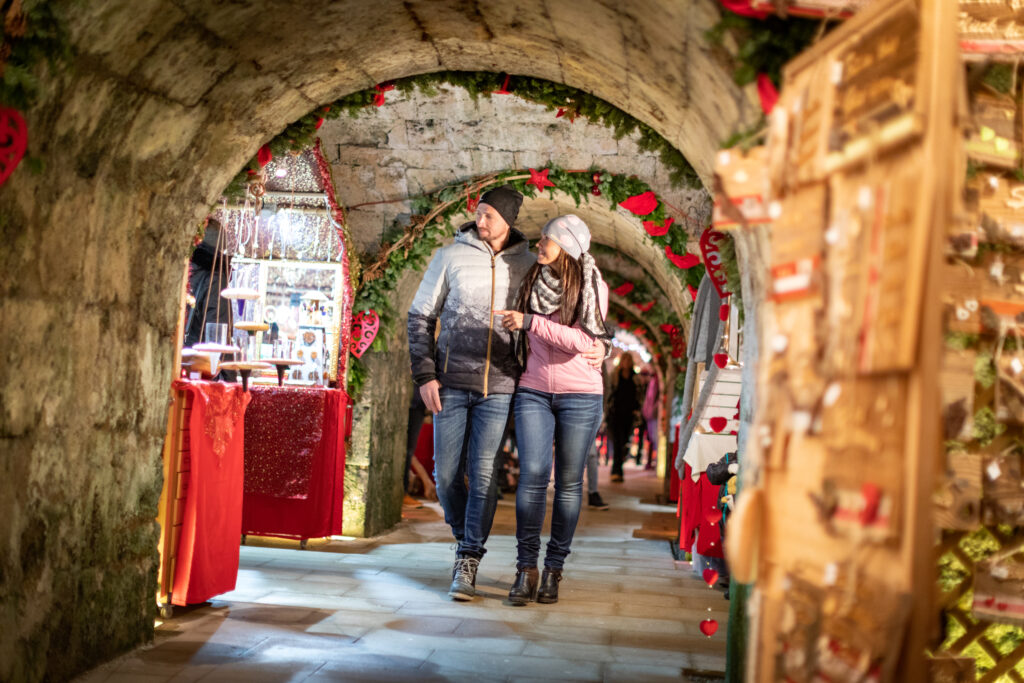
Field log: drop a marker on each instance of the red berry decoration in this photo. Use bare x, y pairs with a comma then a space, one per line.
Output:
596, 191
597, 178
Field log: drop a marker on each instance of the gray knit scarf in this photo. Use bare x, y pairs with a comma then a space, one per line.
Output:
546, 296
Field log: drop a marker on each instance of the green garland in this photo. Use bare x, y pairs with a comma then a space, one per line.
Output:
423, 236
765, 45
42, 37
300, 134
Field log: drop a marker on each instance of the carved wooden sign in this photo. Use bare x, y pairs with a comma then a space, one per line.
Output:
709, 247
991, 29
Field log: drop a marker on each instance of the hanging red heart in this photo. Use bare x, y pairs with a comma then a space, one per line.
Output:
708, 627
710, 577
264, 156
721, 359
718, 423
713, 516
641, 204
710, 247
365, 325
723, 312
624, 289
539, 179
645, 307
13, 141
683, 261
655, 230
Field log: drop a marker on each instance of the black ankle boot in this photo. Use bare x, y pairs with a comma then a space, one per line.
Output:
548, 591
524, 588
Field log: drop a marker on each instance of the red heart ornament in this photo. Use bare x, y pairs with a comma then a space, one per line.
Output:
710, 576
13, 141
713, 516
718, 423
721, 359
708, 627
365, 325
710, 241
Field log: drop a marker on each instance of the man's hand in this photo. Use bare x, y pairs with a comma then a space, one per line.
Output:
595, 354
431, 395
511, 320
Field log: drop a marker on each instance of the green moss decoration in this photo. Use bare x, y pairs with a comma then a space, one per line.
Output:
986, 428
984, 370
44, 38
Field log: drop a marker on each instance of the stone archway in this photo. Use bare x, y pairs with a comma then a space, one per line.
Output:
165, 103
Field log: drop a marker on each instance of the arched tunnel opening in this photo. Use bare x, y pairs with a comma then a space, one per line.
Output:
816, 277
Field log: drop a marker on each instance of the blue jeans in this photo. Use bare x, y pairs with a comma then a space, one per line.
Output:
467, 435
570, 423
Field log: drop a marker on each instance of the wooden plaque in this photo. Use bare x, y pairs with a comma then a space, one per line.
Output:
991, 29
995, 138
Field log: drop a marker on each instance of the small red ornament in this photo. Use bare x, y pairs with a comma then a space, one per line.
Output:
624, 289
624, 324
721, 359
596, 191
381, 88
871, 497
669, 329
596, 178
539, 179
718, 423
472, 202
13, 141
723, 312
683, 261
319, 122
655, 230
643, 308
767, 93
504, 87
641, 204
264, 156
365, 325
710, 576
708, 627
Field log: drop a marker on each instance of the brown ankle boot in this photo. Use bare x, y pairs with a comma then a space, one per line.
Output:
548, 591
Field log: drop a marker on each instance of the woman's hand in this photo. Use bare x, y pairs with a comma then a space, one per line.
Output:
511, 320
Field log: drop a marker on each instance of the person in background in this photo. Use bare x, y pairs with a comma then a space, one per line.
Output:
209, 272
560, 313
621, 413
649, 413
417, 411
594, 499
466, 376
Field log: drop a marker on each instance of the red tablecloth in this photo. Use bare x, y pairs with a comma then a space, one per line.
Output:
294, 461
207, 557
696, 500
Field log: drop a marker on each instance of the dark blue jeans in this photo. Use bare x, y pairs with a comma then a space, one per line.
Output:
467, 435
569, 422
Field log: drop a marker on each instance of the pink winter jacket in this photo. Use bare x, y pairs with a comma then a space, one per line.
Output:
555, 365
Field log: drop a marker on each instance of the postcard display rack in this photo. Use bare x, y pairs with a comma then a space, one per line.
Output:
858, 183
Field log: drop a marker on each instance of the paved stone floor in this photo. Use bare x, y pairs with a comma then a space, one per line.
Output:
376, 610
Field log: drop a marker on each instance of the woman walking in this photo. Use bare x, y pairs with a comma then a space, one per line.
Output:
561, 308
623, 402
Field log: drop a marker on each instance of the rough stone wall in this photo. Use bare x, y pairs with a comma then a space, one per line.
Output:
166, 101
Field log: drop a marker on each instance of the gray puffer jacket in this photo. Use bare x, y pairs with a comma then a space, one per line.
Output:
463, 284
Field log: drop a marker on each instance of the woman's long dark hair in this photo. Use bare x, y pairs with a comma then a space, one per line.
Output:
571, 274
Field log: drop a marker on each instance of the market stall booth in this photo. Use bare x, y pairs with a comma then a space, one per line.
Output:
259, 418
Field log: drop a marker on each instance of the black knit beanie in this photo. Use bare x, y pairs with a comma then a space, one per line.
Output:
506, 200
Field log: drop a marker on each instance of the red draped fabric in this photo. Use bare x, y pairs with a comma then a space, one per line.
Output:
696, 499
294, 462
425, 449
207, 558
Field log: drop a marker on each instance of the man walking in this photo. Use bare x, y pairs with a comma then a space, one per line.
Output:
468, 375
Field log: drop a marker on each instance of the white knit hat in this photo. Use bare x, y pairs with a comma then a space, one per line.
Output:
570, 233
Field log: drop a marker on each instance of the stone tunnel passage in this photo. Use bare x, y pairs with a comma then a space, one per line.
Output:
165, 103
